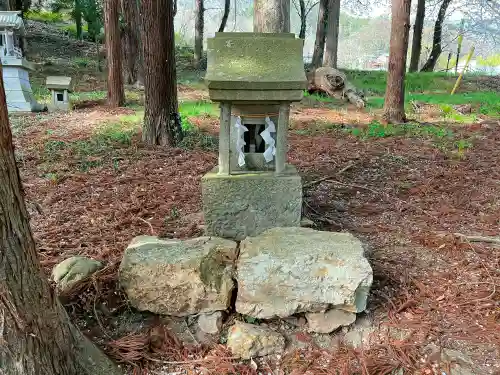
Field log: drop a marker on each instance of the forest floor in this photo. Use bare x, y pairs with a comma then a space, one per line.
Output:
415, 193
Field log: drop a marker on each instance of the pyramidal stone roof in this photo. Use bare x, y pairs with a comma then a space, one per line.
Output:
12, 20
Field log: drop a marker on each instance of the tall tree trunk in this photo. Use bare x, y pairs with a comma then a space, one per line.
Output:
303, 19
332, 34
271, 16
198, 32
319, 44
418, 28
131, 51
36, 336
436, 40
77, 16
162, 125
116, 94
225, 16
394, 105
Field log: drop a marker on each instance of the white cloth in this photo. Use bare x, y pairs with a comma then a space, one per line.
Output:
240, 141
269, 140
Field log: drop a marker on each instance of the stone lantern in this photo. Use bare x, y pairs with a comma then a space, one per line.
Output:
254, 77
59, 87
15, 68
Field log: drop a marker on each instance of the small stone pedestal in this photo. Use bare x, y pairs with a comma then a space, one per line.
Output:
254, 77
247, 204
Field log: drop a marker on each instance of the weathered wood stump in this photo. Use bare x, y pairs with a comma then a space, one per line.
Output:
333, 82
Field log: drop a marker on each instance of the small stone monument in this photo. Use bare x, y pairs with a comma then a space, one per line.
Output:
59, 87
15, 67
254, 77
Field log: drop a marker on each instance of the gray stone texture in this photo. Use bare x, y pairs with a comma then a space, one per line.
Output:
210, 323
178, 278
73, 270
329, 321
292, 270
255, 61
249, 341
247, 204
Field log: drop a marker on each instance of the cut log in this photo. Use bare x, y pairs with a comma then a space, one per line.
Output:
333, 82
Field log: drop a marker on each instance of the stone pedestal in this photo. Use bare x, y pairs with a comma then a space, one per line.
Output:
247, 204
16, 81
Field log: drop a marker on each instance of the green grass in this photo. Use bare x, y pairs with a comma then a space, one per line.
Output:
374, 82
377, 130
99, 148
189, 109
488, 102
318, 97
44, 16
442, 137
198, 108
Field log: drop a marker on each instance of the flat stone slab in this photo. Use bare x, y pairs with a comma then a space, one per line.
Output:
285, 271
247, 204
179, 278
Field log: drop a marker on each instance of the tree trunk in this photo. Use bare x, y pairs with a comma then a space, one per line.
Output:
394, 105
225, 16
116, 95
271, 16
303, 19
131, 51
198, 32
36, 336
77, 16
436, 40
162, 125
319, 45
332, 34
418, 28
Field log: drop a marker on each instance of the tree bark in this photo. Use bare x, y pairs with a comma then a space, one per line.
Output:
319, 44
36, 336
394, 110
162, 125
77, 16
225, 16
332, 34
198, 32
436, 40
303, 19
418, 28
116, 94
271, 16
131, 51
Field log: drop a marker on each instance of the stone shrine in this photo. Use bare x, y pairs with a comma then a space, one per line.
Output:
59, 87
254, 77
15, 67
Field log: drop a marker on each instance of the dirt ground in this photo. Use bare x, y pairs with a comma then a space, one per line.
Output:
411, 202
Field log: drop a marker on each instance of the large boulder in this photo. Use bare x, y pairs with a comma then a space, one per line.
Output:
249, 341
179, 278
71, 271
292, 270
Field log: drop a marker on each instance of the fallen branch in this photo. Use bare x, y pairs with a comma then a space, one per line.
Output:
346, 168
353, 186
486, 239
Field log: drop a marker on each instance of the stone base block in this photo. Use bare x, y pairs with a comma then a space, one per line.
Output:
247, 204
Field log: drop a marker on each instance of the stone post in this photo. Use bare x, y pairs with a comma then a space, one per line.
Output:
224, 137
281, 137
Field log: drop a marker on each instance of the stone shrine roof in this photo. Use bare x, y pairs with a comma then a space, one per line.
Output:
12, 20
58, 83
255, 62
